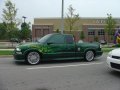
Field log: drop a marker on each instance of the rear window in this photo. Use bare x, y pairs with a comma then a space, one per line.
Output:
69, 39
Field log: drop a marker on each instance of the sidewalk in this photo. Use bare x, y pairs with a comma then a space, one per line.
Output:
6, 49
7, 45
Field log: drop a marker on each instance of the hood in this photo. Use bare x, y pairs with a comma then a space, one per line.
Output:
116, 52
28, 45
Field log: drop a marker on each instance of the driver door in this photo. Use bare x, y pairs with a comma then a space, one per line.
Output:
56, 47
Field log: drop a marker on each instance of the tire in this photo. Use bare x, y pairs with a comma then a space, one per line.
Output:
89, 55
33, 58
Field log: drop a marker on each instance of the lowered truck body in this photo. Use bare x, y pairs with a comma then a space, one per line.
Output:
56, 47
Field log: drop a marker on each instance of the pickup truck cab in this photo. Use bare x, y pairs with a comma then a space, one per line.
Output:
56, 47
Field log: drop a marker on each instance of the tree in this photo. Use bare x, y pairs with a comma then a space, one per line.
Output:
57, 31
110, 26
9, 17
2, 31
82, 36
25, 31
71, 19
96, 38
15, 33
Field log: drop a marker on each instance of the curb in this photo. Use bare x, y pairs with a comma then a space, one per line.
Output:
6, 56
6, 49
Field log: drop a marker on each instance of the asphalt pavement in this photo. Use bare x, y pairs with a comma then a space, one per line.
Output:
58, 75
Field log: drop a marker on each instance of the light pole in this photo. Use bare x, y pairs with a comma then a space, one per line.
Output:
24, 18
62, 17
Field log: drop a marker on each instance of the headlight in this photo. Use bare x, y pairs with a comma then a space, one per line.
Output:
110, 54
18, 49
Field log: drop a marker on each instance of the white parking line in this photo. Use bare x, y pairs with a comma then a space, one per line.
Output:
76, 65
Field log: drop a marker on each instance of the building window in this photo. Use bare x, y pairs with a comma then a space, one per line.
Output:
101, 32
91, 33
45, 32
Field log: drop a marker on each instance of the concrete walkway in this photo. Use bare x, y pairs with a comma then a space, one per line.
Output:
6, 49
6, 56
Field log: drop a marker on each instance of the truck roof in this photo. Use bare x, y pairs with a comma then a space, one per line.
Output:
60, 34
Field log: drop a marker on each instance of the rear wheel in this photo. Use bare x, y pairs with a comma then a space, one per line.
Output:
33, 58
89, 55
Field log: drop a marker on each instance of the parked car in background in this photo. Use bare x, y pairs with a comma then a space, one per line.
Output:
103, 42
15, 40
80, 41
113, 59
56, 47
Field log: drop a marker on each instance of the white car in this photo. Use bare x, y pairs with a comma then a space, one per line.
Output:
113, 59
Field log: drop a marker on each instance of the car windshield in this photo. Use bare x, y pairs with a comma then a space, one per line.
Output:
44, 39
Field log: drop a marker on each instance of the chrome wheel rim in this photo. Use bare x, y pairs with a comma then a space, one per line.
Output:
89, 55
33, 58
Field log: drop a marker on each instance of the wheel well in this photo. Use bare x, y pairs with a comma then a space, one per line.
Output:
91, 50
34, 51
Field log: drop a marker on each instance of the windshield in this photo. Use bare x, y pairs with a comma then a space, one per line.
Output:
44, 39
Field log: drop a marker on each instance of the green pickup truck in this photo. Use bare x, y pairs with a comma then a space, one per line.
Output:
56, 47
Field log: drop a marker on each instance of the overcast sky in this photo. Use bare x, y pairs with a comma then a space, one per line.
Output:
52, 8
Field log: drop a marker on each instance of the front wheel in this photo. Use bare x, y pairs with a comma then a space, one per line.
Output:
33, 58
89, 55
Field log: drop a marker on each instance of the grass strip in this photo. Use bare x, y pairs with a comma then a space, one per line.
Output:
107, 49
6, 52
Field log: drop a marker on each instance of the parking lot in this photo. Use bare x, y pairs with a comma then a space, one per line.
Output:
58, 75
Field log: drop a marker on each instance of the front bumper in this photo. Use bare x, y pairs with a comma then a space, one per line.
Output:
18, 56
113, 63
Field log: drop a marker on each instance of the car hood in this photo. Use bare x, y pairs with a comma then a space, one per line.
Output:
28, 45
116, 52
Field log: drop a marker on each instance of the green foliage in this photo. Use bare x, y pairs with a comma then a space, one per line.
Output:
71, 19
9, 18
57, 31
110, 25
15, 33
117, 45
82, 36
2, 31
96, 38
25, 31
6, 52
107, 49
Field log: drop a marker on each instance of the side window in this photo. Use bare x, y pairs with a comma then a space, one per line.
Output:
69, 39
57, 39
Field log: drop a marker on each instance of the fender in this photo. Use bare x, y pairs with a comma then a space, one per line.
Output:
32, 49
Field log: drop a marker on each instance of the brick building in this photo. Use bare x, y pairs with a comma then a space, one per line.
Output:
92, 28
